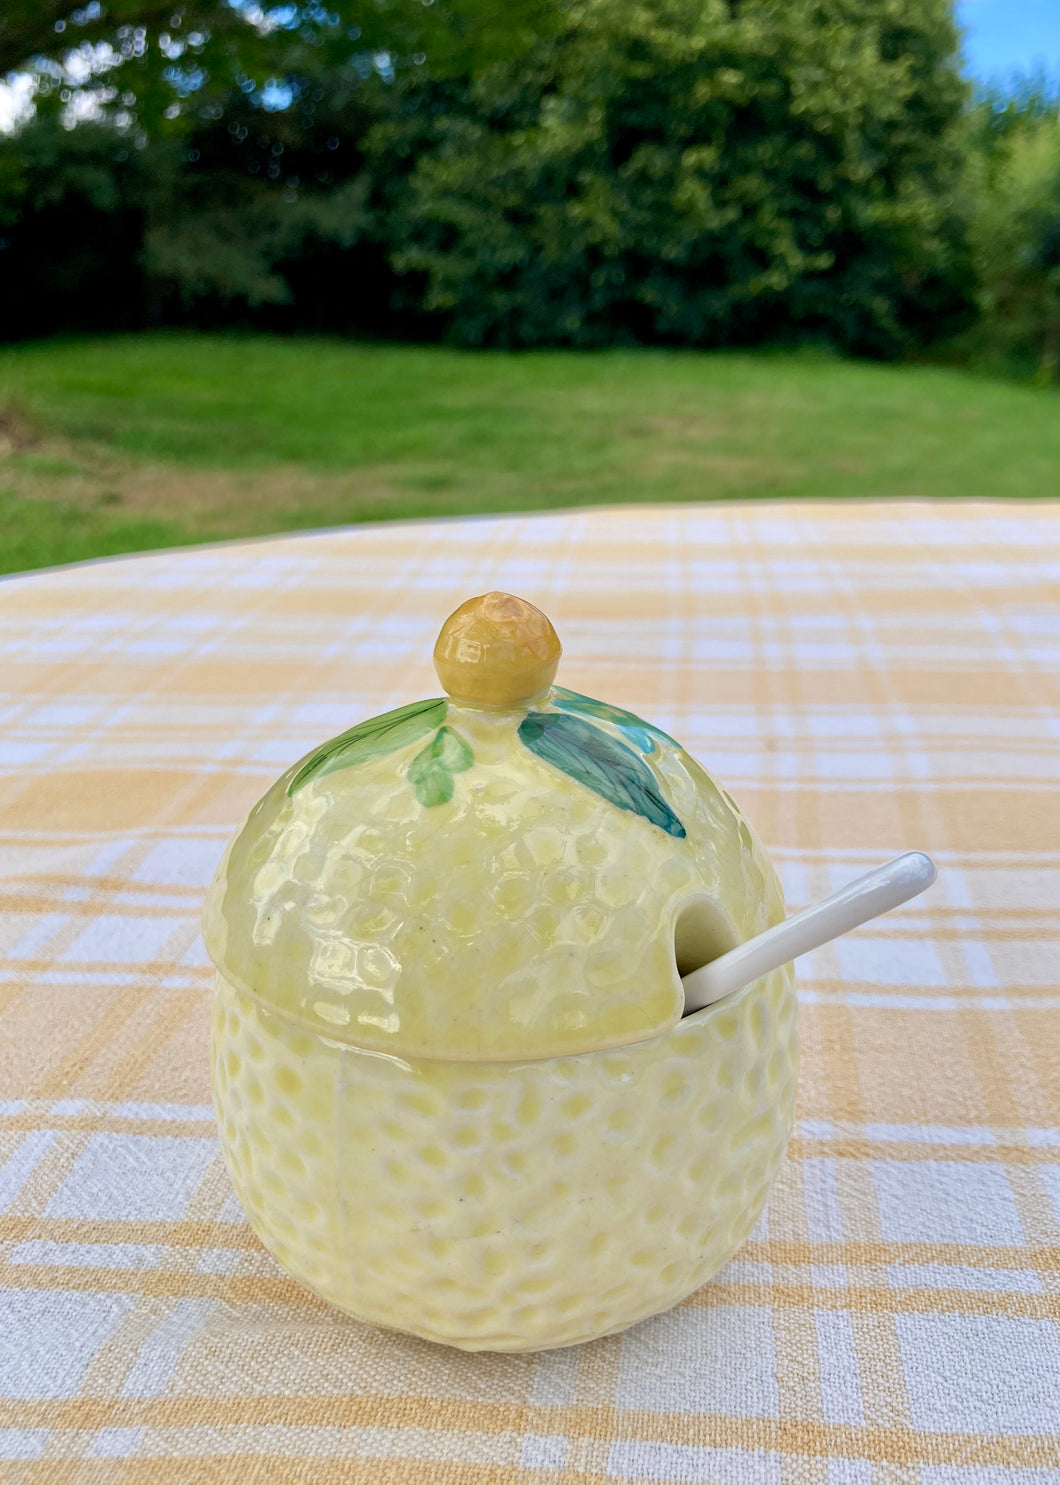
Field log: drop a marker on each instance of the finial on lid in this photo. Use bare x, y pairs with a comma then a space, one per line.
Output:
497, 650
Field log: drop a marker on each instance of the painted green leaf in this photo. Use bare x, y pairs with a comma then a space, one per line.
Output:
431, 771
372, 739
641, 732
600, 762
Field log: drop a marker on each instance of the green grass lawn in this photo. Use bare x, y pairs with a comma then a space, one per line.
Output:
118, 444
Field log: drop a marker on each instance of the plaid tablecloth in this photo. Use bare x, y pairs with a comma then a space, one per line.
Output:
866, 679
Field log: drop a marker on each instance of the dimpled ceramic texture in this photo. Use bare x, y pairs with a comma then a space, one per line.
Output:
509, 1206
526, 916
455, 1091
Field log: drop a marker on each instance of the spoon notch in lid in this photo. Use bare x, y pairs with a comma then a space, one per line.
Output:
868, 897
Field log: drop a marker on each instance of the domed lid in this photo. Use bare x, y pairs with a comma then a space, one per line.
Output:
509, 871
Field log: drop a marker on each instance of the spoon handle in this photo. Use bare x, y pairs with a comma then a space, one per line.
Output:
875, 893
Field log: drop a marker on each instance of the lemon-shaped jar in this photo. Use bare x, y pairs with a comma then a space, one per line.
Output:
456, 1091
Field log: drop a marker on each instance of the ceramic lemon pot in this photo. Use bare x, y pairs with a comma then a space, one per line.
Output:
456, 1089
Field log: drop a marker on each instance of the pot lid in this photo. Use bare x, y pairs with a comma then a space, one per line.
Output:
509, 871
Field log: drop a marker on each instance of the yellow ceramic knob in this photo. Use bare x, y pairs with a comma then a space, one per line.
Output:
497, 650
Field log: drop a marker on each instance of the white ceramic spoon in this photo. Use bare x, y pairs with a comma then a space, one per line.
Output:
880, 890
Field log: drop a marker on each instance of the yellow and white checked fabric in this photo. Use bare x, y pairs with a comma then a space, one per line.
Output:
866, 679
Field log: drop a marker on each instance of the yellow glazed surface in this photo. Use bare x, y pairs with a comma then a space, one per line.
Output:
507, 1206
455, 1091
525, 916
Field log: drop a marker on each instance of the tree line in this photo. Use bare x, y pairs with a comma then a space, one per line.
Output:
599, 172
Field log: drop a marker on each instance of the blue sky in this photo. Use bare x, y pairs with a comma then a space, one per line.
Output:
1006, 35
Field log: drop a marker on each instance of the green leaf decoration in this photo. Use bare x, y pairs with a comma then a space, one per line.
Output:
431, 771
372, 739
600, 762
634, 727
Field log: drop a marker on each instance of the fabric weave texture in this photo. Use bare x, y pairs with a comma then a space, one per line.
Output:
865, 679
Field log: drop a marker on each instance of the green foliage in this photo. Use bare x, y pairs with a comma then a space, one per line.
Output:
75, 214
103, 233
431, 771
231, 246
1013, 189
694, 171
592, 757
160, 66
676, 171
12, 187
628, 723
372, 739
